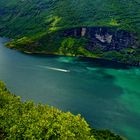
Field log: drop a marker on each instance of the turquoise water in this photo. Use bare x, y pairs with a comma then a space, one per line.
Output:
107, 94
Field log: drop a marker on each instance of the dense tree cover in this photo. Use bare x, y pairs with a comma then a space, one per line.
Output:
25, 120
26, 17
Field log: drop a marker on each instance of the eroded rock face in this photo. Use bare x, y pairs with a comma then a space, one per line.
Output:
105, 38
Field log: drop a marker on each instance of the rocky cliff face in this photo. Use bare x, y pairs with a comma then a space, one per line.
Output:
104, 38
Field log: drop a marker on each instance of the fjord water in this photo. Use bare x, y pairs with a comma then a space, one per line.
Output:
107, 94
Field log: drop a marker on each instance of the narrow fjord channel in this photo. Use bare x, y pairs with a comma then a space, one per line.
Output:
107, 94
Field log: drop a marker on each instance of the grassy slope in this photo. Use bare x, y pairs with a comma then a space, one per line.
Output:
39, 19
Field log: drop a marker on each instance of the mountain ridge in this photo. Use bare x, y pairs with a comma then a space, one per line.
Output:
39, 21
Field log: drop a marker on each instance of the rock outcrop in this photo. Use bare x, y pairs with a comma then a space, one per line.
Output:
104, 38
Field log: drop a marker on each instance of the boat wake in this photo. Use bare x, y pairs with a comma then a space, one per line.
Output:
55, 69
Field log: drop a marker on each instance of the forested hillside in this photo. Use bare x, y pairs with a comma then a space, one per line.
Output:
20, 17
38, 23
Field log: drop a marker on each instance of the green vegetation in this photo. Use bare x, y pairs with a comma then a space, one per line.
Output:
25, 120
53, 43
72, 46
35, 28
24, 17
127, 56
35, 24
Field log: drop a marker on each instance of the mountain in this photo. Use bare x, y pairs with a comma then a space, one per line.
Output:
100, 28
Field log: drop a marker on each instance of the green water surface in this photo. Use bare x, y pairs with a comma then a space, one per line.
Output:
107, 94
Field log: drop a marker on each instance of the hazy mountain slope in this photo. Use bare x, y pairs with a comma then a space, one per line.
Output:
122, 13
18, 17
29, 16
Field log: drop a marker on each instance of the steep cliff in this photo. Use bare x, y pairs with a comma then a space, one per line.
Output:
104, 38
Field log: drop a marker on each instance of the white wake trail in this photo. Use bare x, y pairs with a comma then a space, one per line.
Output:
55, 69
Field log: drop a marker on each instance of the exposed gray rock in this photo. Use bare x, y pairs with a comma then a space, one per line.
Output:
104, 38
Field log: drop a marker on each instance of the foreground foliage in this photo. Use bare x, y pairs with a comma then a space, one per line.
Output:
25, 120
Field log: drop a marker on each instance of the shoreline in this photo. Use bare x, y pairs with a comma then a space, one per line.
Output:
80, 56
43, 53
